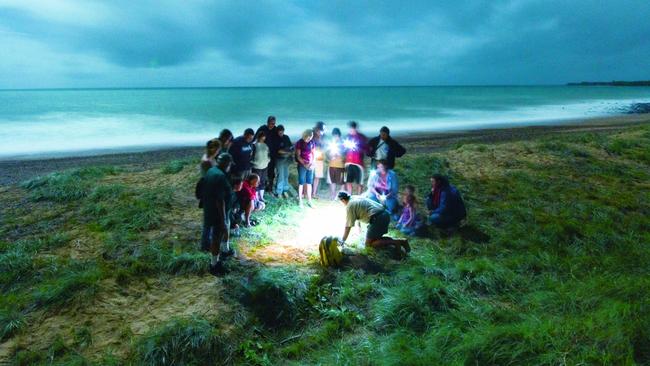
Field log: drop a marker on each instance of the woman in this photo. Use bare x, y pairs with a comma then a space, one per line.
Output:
260, 162
383, 187
225, 137
336, 170
319, 156
209, 159
305, 158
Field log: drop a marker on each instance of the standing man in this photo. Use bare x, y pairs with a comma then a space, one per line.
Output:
217, 193
272, 141
356, 145
283, 158
384, 148
241, 150
319, 156
368, 211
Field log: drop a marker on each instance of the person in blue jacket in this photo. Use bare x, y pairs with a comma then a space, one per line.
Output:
445, 204
383, 188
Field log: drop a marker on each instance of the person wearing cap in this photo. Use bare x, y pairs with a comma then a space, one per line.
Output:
319, 156
445, 204
241, 150
384, 148
365, 210
272, 140
217, 193
356, 145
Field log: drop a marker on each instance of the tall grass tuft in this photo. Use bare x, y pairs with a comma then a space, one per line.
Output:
67, 286
190, 341
175, 166
68, 185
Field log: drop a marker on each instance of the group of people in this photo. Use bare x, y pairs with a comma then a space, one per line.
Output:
236, 173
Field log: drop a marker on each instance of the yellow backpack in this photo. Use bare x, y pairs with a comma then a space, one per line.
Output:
330, 255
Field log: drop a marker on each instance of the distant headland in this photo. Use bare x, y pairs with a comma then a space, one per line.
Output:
611, 83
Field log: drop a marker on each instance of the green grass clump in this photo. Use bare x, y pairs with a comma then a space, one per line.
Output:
68, 185
277, 295
68, 285
191, 341
115, 208
175, 166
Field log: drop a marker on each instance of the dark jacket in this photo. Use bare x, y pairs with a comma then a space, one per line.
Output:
241, 152
395, 150
216, 191
284, 143
451, 204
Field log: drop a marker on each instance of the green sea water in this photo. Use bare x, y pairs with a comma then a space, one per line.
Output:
36, 123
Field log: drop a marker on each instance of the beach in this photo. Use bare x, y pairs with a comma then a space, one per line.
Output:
16, 171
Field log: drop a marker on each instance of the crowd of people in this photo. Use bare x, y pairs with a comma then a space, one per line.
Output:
236, 173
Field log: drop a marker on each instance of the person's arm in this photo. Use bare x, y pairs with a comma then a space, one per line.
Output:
302, 162
398, 149
372, 145
346, 233
443, 203
428, 202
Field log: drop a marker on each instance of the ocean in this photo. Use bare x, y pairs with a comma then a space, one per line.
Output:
59, 122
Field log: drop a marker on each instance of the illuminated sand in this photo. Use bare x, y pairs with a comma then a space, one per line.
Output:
294, 234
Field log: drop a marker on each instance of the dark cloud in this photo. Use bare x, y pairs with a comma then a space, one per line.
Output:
324, 43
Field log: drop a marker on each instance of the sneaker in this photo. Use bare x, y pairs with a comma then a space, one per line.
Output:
218, 269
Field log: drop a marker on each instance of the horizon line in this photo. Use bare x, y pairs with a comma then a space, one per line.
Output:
273, 87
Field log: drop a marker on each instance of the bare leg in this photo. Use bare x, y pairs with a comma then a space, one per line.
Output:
309, 193
332, 191
300, 194
387, 242
247, 213
316, 183
349, 187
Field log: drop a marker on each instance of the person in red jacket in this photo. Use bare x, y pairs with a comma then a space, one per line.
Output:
356, 146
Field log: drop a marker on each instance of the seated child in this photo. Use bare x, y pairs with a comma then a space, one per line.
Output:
410, 221
248, 199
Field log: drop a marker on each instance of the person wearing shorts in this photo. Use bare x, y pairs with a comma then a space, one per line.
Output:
362, 209
336, 162
356, 145
305, 158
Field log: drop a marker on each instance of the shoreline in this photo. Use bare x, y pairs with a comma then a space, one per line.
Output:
17, 170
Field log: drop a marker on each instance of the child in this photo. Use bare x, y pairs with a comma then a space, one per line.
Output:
248, 199
410, 221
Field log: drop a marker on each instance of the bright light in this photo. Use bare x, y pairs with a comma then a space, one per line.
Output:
349, 144
333, 148
319, 154
382, 197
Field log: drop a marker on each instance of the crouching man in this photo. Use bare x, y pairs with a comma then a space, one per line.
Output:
377, 218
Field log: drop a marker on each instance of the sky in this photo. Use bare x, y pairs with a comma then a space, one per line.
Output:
85, 43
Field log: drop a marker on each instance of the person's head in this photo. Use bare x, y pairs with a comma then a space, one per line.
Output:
270, 122
307, 135
225, 136
280, 130
344, 197
439, 181
212, 147
320, 127
336, 132
253, 180
409, 189
384, 133
408, 199
224, 162
237, 183
381, 167
249, 134
260, 136
353, 126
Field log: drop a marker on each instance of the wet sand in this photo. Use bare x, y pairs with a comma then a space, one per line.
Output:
16, 171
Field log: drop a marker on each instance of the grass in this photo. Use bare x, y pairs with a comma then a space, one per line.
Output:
552, 267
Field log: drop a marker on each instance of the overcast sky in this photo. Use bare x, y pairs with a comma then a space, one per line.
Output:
66, 43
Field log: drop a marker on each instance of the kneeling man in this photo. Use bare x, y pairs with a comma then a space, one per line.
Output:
373, 213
